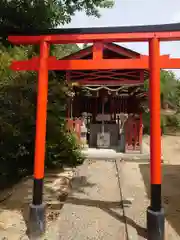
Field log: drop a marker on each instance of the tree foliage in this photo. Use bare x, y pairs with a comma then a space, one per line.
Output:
169, 84
170, 93
43, 14
18, 90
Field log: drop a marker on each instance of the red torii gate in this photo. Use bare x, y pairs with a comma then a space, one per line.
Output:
44, 63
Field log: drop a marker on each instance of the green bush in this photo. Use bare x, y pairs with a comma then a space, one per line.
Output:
169, 124
66, 152
17, 129
146, 123
173, 120
18, 89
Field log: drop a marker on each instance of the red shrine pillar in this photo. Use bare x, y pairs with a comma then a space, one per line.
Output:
140, 132
155, 213
37, 208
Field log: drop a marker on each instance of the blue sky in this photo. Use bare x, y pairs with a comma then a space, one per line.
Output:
136, 12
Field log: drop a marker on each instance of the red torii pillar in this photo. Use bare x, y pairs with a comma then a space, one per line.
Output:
155, 213
37, 208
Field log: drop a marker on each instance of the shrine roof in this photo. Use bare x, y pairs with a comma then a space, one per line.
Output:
110, 51
125, 82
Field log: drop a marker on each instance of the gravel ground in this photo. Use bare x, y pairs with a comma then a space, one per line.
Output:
170, 184
135, 184
93, 210
14, 210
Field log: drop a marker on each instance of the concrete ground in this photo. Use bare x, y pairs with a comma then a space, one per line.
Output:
135, 186
14, 203
107, 200
93, 210
101, 154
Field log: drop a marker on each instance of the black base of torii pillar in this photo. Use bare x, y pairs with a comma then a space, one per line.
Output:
155, 224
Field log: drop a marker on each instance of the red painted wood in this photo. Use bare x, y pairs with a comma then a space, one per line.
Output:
54, 64
124, 64
105, 37
98, 51
77, 127
104, 74
155, 106
141, 130
74, 126
41, 115
133, 134
69, 124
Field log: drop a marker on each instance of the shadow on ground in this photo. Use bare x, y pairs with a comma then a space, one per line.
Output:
16, 206
109, 208
170, 191
80, 185
22, 196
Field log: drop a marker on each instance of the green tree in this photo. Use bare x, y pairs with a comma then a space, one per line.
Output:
17, 119
18, 89
169, 85
170, 92
62, 50
43, 14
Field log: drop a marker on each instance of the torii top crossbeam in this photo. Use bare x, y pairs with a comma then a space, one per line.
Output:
168, 32
165, 32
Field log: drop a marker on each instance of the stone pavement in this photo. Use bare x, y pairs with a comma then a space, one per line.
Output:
93, 210
135, 186
98, 206
101, 154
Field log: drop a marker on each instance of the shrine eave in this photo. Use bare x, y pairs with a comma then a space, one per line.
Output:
107, 48
109, 52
